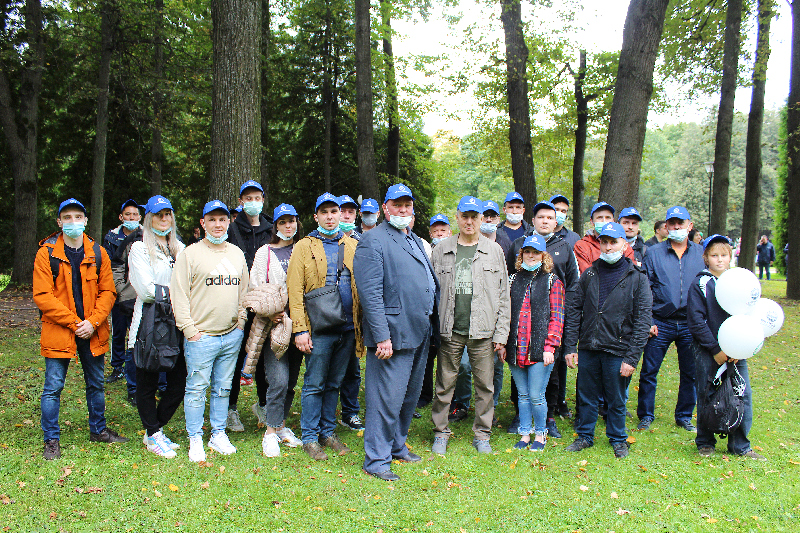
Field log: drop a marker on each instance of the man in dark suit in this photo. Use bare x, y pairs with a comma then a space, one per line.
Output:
399, 295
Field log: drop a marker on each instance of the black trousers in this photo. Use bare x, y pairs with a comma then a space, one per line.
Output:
426, 396
261, 383
295, 357
154, 415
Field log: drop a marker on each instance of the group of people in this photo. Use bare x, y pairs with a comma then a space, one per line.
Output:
536, 296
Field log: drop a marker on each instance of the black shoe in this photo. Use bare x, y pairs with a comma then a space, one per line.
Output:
579, 444
495, 421
422, 404
115, 375
552, 429
107, 435
620, 449
564, 411
52, 450
132, 400
513, 427
354, 423
458, 413
386, 475
644, 424
408, 458
706, 451
417, 414
687, 425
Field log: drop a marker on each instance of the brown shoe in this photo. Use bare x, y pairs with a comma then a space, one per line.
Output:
753, 455
333, 442
52, 450
315, 451
107, 435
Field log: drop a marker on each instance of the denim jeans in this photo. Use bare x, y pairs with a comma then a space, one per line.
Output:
325, 369
654, 352
738, 443
531, 382
210, 361
598, 374
120, 354
351, 385
463, 390
55, 374
276, 373
761, 269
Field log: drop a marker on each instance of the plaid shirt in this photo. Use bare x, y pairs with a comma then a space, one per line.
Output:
555, 326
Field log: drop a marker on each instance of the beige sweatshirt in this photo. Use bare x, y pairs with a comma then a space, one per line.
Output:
207, 287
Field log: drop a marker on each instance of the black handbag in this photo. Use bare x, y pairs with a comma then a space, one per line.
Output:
158, 341
324, 305
724, 401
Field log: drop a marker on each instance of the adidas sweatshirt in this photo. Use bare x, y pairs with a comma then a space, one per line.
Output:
207, 287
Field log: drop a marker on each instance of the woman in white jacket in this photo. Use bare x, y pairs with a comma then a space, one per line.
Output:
150, 263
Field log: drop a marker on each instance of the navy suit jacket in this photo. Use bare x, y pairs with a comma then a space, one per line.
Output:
391, 283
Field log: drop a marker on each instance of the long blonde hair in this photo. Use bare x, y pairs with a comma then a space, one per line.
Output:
547, 261
151, 241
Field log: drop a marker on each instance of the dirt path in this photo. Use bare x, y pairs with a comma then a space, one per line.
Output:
17, 310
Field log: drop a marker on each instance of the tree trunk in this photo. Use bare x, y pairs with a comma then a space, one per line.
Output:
393, 137
622, 165
365, 142
266, 41
20, 127
752, 191
793, 153
722, 144
519, 119
156, 147
236, 96
108, 17
581, 133
327, 97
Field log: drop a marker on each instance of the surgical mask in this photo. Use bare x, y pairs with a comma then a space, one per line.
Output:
253, 208
598, 226
130, 225
631, 239
545, 236
328, 232
73, 230
217, 240
347, 226
162, 233
487, 227
561, 218
369, 219
399, 222
611, 257
678, 235
437, 240
514, 218
283, 237
531, 268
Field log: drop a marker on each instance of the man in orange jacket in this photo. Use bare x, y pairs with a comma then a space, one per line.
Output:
74, 289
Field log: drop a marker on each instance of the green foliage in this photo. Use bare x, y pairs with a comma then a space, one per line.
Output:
780, 227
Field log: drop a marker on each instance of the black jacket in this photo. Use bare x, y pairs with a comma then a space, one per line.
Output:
639, 249
621, 326
704, 315
766, 253
527, 229
252, 238
570, 236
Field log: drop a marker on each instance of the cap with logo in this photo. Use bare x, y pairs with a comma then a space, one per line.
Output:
558, 198
715, 238
70, 202
536, 242
398, 190
489, 205
513, 196
543, 205
250, 185
129, 203
601, 205
157, 203
237, 209
369, 206
613, 230
629, 212
283, 210
215, 205
470, 203
346, 200
439, 219
677, 212
326, 198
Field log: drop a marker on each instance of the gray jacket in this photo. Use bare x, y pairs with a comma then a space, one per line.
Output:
491, 304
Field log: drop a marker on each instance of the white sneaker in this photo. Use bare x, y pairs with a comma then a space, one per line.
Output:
287, 437
171, 444
234, 423
196, 452
269, 445
261, 413
159, 446
219, 443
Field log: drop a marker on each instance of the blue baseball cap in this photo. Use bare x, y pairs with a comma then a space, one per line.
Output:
614, 230
629, 212
215, 205
543, 205
439, 218
514, 195
250, 185
344, 199
369, 206
237, 209
157, 203
283, 210
677, 211
601, 205
68, 202
324, 199
559, 198
715, 238
470, 203
398, 190
536, 242
129, 203
489, 205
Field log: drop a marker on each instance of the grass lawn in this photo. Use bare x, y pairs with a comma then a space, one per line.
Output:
663, 485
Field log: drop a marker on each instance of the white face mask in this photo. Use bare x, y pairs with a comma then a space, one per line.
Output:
283, 237
253, 208
369, 219
399, 222
611, 257
514, 218
678, 235
487, 227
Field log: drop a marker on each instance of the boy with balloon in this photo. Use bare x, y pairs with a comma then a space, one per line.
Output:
728, 320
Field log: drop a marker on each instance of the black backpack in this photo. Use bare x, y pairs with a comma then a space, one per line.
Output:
724, 401
158, 341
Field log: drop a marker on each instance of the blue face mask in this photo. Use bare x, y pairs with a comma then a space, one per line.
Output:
162, 233
328, 232
253, 208
347, 226
611, 257
437, 240
561, 218
217, 240
130, 225
598, 226
369, 219
487, 227
531, 268
73, 230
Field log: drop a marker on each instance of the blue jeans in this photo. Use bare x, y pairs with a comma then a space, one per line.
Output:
531, 383
598, 374
120, 355
325, 369
654, 352
351, 384
463, 390
55, 374
761, 269
210, 361
738, 443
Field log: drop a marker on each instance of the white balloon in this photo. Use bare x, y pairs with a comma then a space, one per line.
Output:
741, 336
770, 314
737, 291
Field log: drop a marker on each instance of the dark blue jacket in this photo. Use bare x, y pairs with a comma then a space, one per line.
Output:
670, 278
766, 253
705, 316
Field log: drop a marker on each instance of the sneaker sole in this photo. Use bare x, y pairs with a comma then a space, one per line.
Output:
291, 444
168, 455
218, 450
348, 426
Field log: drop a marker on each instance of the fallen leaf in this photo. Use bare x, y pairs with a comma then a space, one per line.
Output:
21, 484
222, 470
752, 486
173, 488
614, 496
712, 520
622, 511
513, 465
794, 462
584, 488
631, 439
5, 499
205, 485
317, 508
583, 463
156, 493
53, 515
